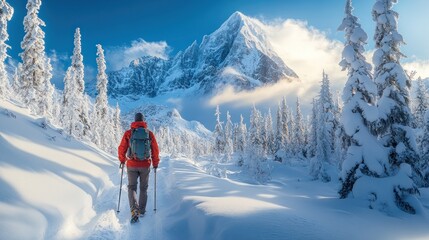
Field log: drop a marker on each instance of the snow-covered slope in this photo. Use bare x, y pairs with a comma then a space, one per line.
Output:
55, 188
49, 185
237, 54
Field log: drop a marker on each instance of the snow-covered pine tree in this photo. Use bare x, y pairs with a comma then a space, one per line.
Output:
286, 131
241, 136
46, 105
265, 132
279, 137
312, 138
228, 150
342, 141
70, 108
16, 86
395, 117
269, 133
103, 125
264, 135
256, 160
421, 104
35, 70
424, 149
78, 69
299, 132
6, 13
117, 124
307, 129
219, 144
359, 111
56, 107
325, 141
291, 127
75, 116
235, 131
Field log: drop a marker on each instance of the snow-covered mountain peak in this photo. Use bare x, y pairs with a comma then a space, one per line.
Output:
239, 31
240, 44
237, 19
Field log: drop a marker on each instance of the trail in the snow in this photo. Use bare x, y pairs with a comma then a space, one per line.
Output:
113, 225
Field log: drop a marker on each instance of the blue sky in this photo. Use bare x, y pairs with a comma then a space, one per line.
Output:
167, 26
178, 23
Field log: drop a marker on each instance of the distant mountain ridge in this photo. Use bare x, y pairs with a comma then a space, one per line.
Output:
237, 54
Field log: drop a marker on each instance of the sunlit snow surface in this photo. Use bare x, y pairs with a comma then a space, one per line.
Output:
54, 188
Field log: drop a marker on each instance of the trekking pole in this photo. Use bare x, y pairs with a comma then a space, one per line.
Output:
120, 188
154, 202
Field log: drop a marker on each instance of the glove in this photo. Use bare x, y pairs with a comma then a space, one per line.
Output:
155, 167
121, 166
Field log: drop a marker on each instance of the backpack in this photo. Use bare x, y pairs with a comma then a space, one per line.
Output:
140, 144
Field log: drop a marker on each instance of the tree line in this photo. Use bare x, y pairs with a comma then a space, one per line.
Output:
71, 109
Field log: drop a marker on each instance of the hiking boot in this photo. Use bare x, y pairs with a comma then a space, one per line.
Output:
142, 212
134, 215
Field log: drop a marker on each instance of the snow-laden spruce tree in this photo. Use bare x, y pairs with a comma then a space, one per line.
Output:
6, 13
365, 155
218, 134
78, 69
16, 86
103, 124
256, 160
241, 140
298, 132
420, 108
265, 131
342, 141
424, 149
235, 131
312, 135
393, 126
56, 106
70, 106
286, 130
421, 104
35, 70
117, 127
279, 141
269, 133
75, 114
326, 128
46, 105
291, 127
229, 148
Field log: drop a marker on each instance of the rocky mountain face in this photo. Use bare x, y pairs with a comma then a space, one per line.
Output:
237, 54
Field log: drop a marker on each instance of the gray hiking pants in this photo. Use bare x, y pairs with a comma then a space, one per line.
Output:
133, 175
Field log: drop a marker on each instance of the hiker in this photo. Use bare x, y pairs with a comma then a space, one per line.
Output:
138, 149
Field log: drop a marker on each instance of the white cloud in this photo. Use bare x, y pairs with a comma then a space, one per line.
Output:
420, 66
118, 57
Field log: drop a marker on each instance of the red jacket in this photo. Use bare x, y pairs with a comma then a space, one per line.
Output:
125, 143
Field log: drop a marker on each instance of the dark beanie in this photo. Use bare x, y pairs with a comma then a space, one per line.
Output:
138, 117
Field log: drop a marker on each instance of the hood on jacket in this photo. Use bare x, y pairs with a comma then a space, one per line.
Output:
138, 124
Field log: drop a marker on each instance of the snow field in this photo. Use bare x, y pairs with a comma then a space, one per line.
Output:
69, 190
49, 183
